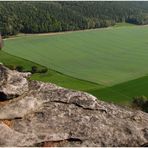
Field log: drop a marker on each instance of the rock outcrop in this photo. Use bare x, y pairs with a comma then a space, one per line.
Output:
34, 113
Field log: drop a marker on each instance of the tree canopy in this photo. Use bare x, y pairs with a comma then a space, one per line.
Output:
39, 17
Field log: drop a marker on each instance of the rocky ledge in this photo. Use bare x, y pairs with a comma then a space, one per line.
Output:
34, 113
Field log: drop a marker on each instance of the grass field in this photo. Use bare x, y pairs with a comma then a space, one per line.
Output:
106, 56
124, 92
50, 76
124, 25
115, 59
10, 60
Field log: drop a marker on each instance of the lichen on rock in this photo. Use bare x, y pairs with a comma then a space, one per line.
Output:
44, 114
12, 83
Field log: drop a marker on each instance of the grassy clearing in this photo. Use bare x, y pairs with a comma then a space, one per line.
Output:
50, 76
104, 56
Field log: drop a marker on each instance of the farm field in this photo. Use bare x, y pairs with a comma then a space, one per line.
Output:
51, 76
113, 61
11, 61
124, 92
120, 94
105, 56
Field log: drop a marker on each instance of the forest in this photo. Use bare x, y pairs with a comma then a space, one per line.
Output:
41, 17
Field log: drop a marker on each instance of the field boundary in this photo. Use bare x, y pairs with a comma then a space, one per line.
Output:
56, 71
66, 32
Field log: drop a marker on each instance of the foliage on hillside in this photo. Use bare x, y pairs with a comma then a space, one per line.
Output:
140, 102
37, 17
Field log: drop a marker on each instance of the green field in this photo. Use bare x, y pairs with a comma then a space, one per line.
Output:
51, 76
124, 92
104, 56
11, 61
110, 58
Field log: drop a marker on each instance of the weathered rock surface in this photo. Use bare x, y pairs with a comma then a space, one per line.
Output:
44, 114
12, 83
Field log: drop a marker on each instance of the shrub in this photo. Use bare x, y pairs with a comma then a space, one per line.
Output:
44, 70
12, 67
140, 102
34, 69
19, 68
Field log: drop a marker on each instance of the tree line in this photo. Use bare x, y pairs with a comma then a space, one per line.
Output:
40, 17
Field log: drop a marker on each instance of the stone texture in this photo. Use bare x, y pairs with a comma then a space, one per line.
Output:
12, 83
44, 114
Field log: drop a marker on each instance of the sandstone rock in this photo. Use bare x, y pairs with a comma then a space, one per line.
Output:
12, 83
44, 114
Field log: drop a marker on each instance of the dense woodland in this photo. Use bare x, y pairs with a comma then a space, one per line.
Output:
39, 17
